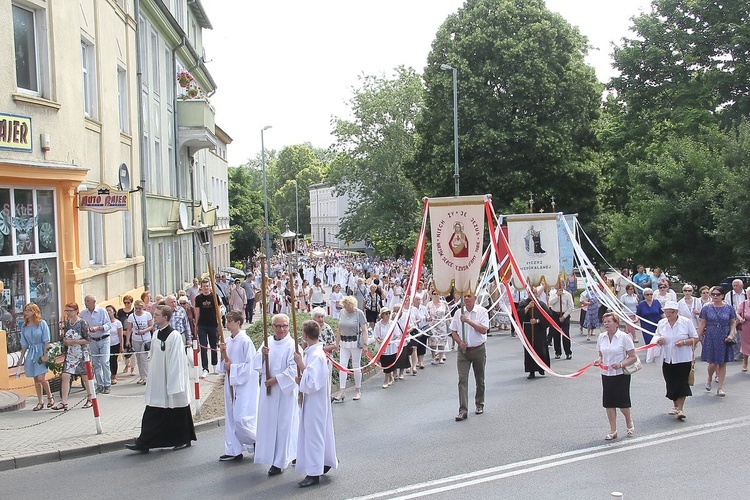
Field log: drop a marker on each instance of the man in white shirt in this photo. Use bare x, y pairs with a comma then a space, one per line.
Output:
561, 305
734, 297
98, 320
469, 329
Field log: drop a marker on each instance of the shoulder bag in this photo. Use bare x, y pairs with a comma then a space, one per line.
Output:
635, 367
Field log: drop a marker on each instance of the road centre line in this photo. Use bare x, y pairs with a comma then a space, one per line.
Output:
541, 463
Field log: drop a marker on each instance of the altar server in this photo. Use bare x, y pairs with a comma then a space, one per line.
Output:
278, 412
316, 452
240, 389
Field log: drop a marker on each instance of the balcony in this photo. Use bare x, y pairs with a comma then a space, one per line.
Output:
197, 128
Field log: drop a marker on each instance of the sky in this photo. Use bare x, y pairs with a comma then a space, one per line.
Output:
292, 64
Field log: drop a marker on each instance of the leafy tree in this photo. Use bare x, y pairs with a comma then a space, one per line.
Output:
372, 149
301, 163
246, 212
526, 106
676, 201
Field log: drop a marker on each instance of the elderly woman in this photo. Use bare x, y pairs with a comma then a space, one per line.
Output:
630, 300
373, 304
351, 337
650, 312
35, 342
592, 304
616, 350
716, 329
438, 317
664, 293
327, 337
388, 359
140, 326
76, 339
689, 307
677, 337
744, 312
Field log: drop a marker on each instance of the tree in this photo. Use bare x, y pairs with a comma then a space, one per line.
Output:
676, 201
301, 163
526, 105
372, 149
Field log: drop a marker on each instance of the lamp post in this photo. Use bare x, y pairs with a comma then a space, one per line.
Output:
296, 202
446, 67
265, 194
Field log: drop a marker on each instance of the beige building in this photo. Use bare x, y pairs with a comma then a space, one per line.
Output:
76, 113
326, 210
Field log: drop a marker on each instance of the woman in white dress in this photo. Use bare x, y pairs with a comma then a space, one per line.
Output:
437, 316
334, 301
630, 300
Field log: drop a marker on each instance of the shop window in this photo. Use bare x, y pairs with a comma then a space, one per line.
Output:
6, 239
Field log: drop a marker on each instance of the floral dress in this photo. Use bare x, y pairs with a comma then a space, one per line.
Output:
592, 312
715, 350
74, 364
439, 323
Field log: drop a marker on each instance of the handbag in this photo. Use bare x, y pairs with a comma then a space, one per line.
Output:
147, 346
691, 377
631, 369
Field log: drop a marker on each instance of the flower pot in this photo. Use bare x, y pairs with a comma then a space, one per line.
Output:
184, 82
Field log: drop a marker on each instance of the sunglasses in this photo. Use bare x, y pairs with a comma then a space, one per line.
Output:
647, 294
687, 290
714, 294
662, 286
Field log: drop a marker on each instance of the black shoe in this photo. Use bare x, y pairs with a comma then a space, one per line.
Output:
480, 409
309, 481
541, 372
462, 415
326, 468
557, 356
274, 471
135, 447
568, 356
182, 446
532, 375
229, 458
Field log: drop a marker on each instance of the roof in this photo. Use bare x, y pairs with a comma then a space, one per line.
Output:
200, 14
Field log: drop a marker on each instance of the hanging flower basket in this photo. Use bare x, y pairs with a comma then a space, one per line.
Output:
193, 93
184, 78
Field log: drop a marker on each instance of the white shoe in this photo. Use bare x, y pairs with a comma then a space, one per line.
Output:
213, 368
204, 374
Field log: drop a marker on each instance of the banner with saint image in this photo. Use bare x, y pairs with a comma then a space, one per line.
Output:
533, 240
457, 226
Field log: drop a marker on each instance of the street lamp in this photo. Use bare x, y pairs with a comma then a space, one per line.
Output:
265, 193
296, 202
446, 67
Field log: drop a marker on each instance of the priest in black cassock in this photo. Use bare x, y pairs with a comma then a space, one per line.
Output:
167, 420
535, 327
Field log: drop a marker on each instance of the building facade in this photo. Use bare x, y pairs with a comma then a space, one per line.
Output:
92, 103
326, 211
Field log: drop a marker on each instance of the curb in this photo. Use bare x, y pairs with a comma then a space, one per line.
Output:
18, 404
45, 457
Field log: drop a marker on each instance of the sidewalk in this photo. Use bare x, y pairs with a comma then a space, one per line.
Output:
31, 438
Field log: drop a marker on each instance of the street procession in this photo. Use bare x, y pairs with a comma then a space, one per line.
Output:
495, 249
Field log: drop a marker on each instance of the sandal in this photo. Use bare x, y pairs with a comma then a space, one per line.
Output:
720, 393
50, 402
60, 406
38, 407
88, 404
610, 436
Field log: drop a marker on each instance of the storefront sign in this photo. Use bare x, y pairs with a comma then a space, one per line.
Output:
15, 132
103, 200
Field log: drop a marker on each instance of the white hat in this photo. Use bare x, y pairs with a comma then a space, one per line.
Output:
670, 304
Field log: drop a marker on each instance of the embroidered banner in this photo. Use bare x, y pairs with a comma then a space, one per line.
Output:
533, 240
457, 226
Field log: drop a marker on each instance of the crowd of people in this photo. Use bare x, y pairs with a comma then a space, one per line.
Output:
366, 297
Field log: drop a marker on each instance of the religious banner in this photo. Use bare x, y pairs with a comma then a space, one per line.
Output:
567, 252
457, 225
103, 200
533, 240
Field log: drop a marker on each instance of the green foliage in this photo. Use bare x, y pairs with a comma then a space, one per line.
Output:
246, 216
526, 106
372, 150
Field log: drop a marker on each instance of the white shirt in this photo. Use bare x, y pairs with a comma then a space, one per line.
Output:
567, 304
690, 311
478, 315
683, 329
614, 351
630, 302
732, 298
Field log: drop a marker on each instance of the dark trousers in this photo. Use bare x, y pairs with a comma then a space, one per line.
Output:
207, 336
114, 353
476, 359
249, 310
565, 327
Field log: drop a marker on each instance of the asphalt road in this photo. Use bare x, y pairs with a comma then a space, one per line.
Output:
537, 439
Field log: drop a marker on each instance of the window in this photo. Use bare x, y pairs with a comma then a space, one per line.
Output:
143, 55
155, 62
172, 173
88, 64
159, 175
179, 14
96, 238
122, 100
25, 44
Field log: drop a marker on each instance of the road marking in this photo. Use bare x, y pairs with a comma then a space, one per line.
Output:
549, 461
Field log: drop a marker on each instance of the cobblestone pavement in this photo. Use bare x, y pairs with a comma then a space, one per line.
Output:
29, 438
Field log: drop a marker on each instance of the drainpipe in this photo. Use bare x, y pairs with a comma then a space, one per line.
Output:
143, 146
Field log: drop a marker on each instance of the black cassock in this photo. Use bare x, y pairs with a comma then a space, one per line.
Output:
536, 336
